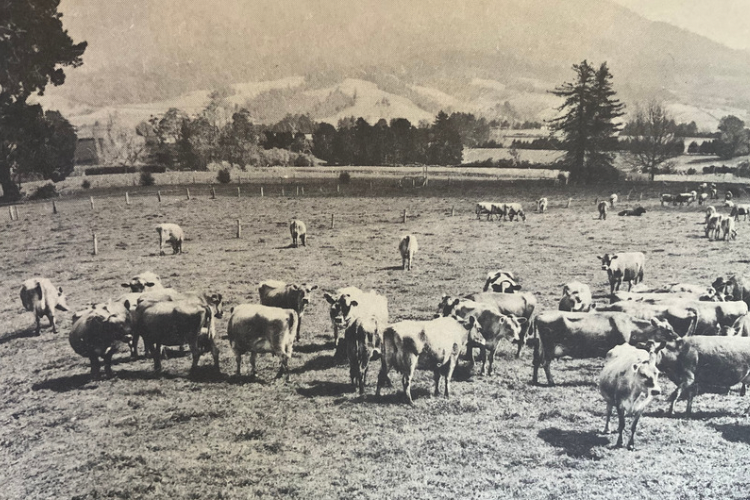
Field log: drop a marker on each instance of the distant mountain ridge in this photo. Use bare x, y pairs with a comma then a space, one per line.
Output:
494, 58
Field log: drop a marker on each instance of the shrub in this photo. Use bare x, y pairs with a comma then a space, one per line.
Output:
302, 161
44, 192
224, 176
147, 179
345, 177
691, 171
86, 184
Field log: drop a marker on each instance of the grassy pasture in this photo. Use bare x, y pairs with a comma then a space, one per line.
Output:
143, 436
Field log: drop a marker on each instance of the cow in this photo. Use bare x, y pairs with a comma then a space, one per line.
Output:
626, 266
298, 231
541, 205
688, 317
279, 294
499, 210
740, 327
140, 282
501, 281
705, 361
440, 340
494, 325
632, 212
514, 210
612, 200
737, 210
708, 294
702, 198
710, 212
363, 338
685, 198
212, 300
172, 234
713, 226
714, 193
728, 195
576, 298
520, 305
175, 323
257, 329
40, 296
728, 228
733, 288
589, 335
484, 207
96, 333
628, 382
666, 198
602, 207
408, 247
350, 303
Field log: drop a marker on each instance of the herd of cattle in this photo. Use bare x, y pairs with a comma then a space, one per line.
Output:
698, 336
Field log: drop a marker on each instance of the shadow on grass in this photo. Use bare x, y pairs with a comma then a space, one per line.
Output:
64, 384
19, 334
313, 348
318, 363
679, 413
391, 268
322, 388
577, 444
734, 433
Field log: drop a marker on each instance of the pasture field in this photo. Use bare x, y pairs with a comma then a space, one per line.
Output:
171, 436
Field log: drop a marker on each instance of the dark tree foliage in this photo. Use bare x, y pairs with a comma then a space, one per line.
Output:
653, 141
34, 49
734, 138
587, 123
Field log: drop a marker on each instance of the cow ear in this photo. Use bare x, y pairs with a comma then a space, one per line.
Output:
219, 297
149, 284
125, 285
521, 320
354, 303
328, 298
59, 290
593, 305
126, 304
314, 287
600, 257
455, 302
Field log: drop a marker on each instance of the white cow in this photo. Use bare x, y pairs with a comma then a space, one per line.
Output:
626, 266
298, 231
172, 234
408, 248
541, 205
40, 296
576, 297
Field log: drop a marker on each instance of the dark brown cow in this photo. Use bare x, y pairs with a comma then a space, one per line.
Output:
293, 296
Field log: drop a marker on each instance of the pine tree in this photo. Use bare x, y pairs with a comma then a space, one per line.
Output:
587, 123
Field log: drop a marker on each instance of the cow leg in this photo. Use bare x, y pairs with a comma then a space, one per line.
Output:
94, 366
673, 397
449, 375
51, 317
253, 359
38, 325
215, 354
609, 413
691, 394
490, 359
631, 441
382, 375
156, 353
303, 237
134, 346
196, 356
548, 373
108, 362
621, 425
238, 358
536, 362
362, 379
161, 245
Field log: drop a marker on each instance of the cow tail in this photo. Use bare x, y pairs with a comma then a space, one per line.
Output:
25, 298
293, 321
209, 322
694, 324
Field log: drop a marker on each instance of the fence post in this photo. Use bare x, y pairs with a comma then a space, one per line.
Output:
261, 191
282, 190
213, 192
640, 196
91, 200
297, 190
96, 246
331, 221
54, 207
568, 205
338, 188
127, 198
239, 229
452, 212
303, 190
403, 219
10, 212
187, 192
158, 195
238, 192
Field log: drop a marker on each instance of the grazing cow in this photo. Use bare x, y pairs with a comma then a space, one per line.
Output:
632, 212
501, 282
703, 361
728, 228
612, 200
493, 324
299, 232
733, 288
740, 327
440, 340
407, 247
626, 266
666, 198
213, 300
541, 205
140, 282
96, 333
40, 296
713, 226
714, 193
710, 212
175, 323
685, 198
172, 234
737, 210
350, 303
602, 210
628, 382
589, 335
688, 317
514, 210
520, 305
278, 294
484, 207
702, 198
257, 329
576, 298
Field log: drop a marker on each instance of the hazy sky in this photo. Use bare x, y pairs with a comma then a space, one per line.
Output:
724, 21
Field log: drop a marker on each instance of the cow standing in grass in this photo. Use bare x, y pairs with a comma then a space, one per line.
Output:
96, 333
40, 296
408, 248
170, 234
298, 231
602, 207
279, 294
625, 266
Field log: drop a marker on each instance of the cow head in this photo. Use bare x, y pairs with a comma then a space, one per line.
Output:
301, 295
476, 339
341, 308
447, 306
142, 281
606, 260
647, 376
663, 330
723, 288
215, 302
62, 301
511, 326
501, 282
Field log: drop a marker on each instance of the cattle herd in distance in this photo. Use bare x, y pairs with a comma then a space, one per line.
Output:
697, 335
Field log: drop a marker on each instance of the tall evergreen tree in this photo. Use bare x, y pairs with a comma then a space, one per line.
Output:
587, 123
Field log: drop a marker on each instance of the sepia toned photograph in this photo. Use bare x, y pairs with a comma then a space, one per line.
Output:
335, 249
